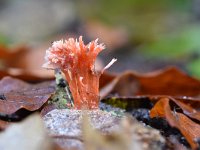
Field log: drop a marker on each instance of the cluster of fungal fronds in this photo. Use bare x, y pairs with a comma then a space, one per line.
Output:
77, 61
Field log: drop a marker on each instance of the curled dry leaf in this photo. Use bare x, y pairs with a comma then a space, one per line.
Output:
26, 75
189, 105
170, 81
47, 109
105, 79
189, 128
20, 62
16, 94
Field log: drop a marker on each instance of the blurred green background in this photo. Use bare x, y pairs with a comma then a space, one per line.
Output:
143, 35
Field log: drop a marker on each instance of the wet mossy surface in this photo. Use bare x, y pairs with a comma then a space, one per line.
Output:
62, 98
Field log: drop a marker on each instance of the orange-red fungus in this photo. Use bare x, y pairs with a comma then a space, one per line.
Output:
77, 61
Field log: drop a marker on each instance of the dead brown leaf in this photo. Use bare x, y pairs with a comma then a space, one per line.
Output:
24, 63
170, 81
189, 105
47, 109
105, 79
16, 94
163, 88
189, 128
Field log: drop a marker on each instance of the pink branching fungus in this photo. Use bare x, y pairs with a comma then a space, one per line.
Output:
77, 61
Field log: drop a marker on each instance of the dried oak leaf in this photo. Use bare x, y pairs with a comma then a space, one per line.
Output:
169, 81
20, 62
16, 94
189, 105
105, 79
189, 128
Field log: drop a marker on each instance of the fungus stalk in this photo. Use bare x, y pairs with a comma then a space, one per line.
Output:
77, 61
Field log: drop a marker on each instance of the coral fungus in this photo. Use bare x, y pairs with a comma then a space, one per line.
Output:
77, 61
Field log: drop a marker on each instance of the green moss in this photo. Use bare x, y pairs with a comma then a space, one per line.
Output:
128, 103
115, 102
62, 98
